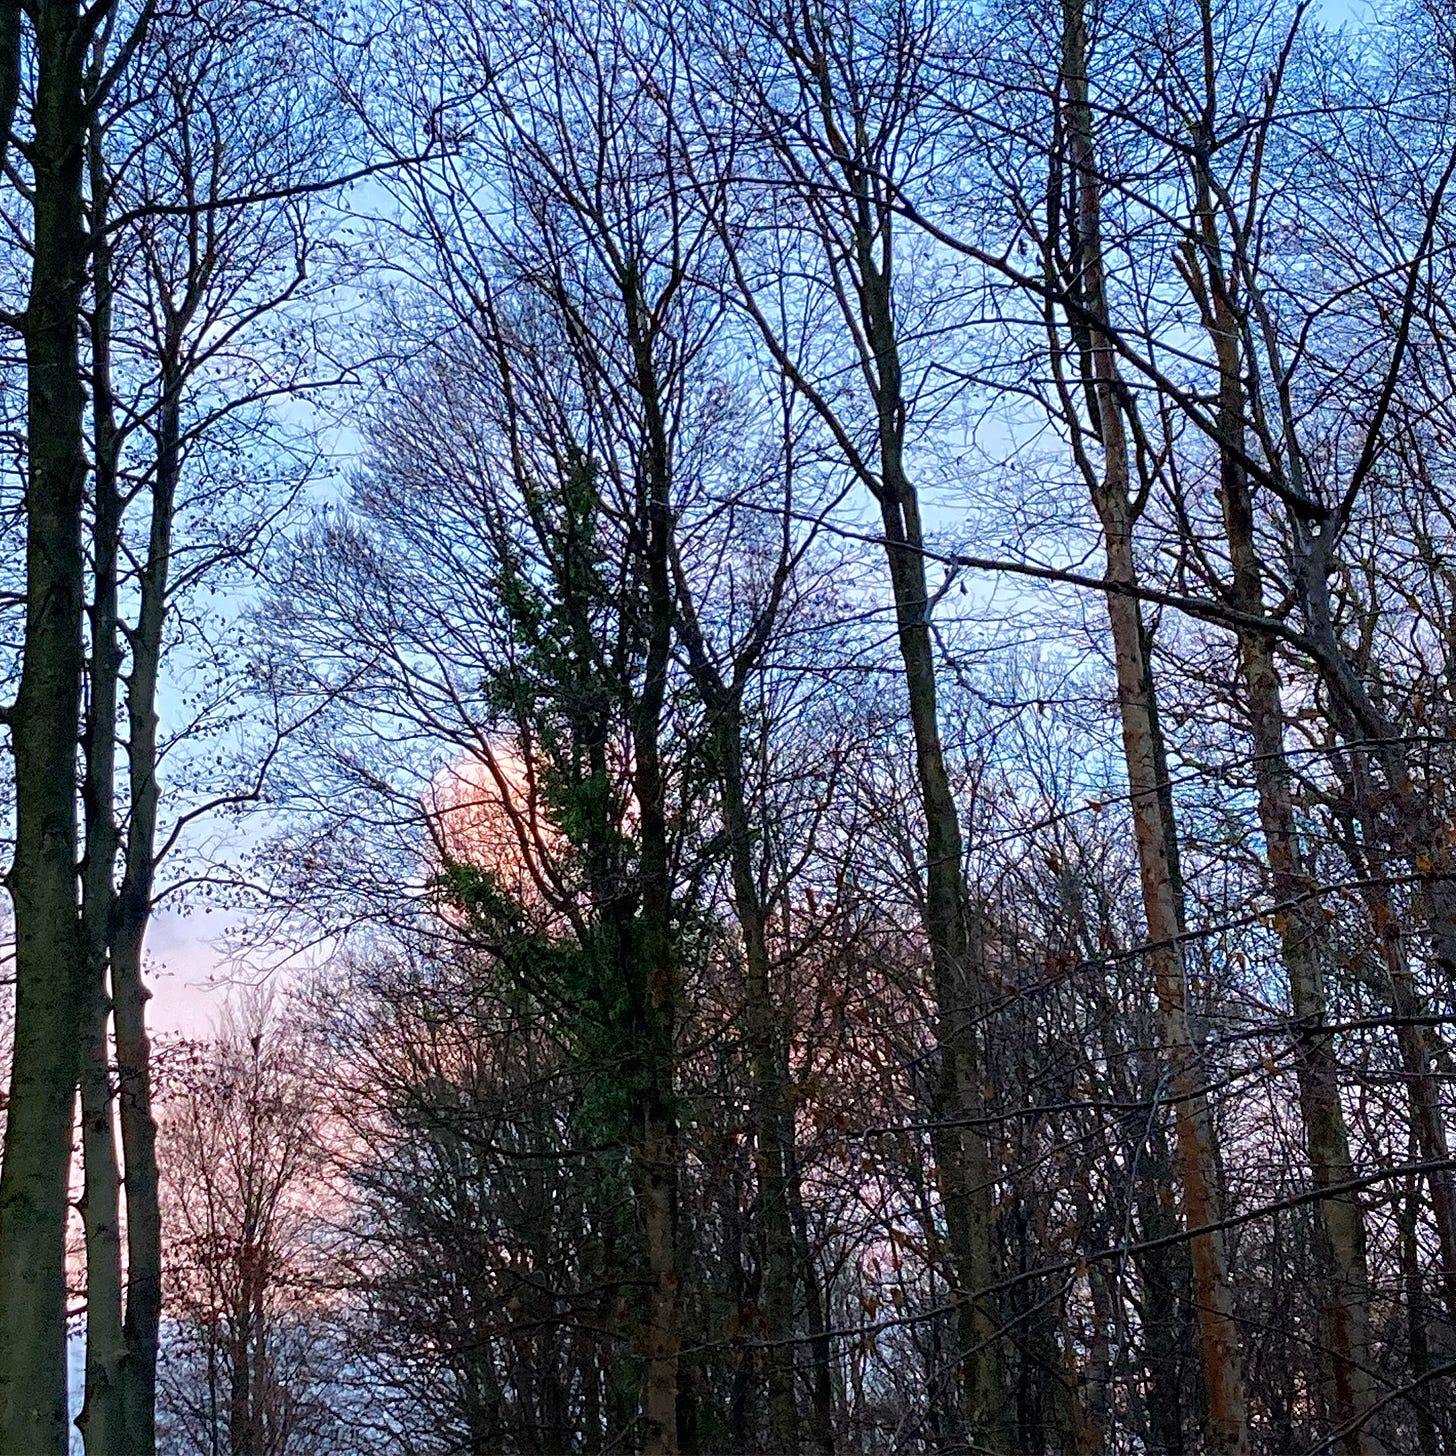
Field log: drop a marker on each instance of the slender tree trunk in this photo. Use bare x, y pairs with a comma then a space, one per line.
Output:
1166, 1319
240, 1384
656, 1182
772, 1117
656, 1155
51, 998
101, 1416
770, 1102
1162, 1271
962, 1153
1091, 1415
1194, 1148
1195, 1152
1343, 1283
1343, 1279
1413, 1278
657, 1171
100, 1420
133, 916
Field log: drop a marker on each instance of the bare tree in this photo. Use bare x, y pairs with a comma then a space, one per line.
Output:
245, 1369
824, 100
184, 367
50, 953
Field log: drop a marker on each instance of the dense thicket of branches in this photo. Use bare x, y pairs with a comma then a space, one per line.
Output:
855, 832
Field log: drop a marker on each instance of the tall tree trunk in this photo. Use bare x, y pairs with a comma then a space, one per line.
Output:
101, 1415
51, 997
1418, 1334
771, 1114
133, 916
1343, 1288
1194, 1148
656, 1183
1195, 1152
657, 1155
240, 1381
962, 1152
770, 1106
1343, 1283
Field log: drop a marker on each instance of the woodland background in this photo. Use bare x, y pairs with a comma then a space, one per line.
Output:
810, 646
